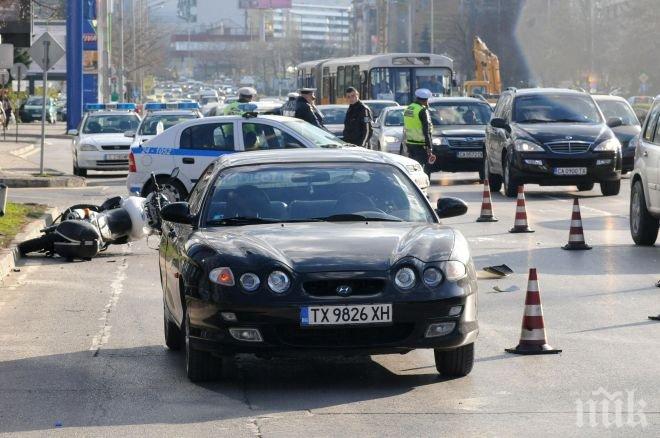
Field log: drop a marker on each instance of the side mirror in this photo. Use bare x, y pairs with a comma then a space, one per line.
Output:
129, 134
499, 123
177, 212
451, 207
73, 132
614, 122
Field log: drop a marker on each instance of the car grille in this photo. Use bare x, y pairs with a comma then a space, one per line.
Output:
112, 163
359, 287
569, 147
297, 336
116, 147
463, 143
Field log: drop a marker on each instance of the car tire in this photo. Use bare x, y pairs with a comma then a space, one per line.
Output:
78, 171
585, 187
610, 188
455, 363
175, 188
643, 226
201, 366
173, 334
511, 183
482, 175
494, 181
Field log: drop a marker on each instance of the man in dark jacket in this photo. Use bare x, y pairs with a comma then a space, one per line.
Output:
357, 124
305, 108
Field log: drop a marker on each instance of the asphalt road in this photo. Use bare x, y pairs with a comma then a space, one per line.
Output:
81, 344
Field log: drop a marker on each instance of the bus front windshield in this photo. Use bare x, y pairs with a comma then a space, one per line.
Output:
399, 83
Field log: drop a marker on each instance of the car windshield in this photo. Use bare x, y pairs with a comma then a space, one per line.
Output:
333, 192
462, 113
156, 123
394, 117
207, 100
377, 107
333, 115
317, 136
35, 101
555, 108
111, 124
617, 108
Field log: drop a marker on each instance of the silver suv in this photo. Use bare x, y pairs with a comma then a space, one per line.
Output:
645, 180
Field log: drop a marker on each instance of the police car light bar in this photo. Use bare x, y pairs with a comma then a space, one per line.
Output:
156, 106
110, 106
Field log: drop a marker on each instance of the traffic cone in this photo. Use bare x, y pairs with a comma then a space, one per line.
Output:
520, 225
576, 235
655, 318
486, 206
532, 336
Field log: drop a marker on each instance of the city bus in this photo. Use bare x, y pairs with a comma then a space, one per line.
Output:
392, 76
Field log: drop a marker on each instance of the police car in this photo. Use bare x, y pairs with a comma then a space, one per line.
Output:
192, 145
99, 142
161, 116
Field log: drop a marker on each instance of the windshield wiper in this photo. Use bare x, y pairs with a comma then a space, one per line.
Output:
351, 217
242, 220
536, 121
572, 121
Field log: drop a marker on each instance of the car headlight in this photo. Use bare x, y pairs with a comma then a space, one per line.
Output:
432, 277
611, 144
440, 141
527, 146
405, 278
222, 276
250, 282
390, 139
414, 167
88, 147
278, 282
454, 270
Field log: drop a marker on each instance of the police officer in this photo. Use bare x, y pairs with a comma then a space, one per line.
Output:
418, 130
357, 123
305, 108
289, 107
237, 108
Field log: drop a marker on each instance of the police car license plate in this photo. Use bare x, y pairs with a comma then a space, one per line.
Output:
470, 154
570, 171
344, 315
116, 156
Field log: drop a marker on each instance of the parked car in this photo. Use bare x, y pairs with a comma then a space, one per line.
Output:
645, 181
376, 106
552, 137
382, 275
32, 109
615, 106
388, 130
460, 125
333, 118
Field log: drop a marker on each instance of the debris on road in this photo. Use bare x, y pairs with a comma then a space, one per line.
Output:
512, 288
499, 270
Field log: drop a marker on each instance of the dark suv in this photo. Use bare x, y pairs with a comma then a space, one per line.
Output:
554, 137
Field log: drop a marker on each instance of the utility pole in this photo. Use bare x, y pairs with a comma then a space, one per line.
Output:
410, 25
134, 38
432, 37
120, 80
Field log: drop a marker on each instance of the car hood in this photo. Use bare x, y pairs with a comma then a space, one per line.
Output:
343, 246
460, 131
549, 132
394, 131
103, 139
626, 133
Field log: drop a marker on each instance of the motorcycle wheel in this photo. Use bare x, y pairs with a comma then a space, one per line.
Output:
43, 243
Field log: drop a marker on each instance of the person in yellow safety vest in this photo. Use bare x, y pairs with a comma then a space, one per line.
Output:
418, 130
245, 96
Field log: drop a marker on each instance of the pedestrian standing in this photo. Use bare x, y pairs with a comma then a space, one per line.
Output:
305, 108
6, 107
357, 123
418, 130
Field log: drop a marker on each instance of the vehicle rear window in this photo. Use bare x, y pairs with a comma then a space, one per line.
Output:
394, 118
333, 116
214, 136
157, 123
555, 108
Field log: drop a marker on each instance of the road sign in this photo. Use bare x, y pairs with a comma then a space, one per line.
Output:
6, 55
4, 77
46, 51
19, 71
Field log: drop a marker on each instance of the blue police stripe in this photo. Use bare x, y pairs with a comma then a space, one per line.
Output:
176, 151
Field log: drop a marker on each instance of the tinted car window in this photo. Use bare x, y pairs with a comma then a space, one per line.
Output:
462, 114
652, 119
555, 108
394, 118
258, 136
197, 193
215, 136
617, 108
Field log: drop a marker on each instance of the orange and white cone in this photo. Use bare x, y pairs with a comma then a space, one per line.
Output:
486, 206
520, 225
532, 336
576, 235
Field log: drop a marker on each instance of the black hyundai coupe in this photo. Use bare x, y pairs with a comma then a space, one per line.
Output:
315, 251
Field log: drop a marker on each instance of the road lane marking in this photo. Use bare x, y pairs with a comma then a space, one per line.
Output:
116, 288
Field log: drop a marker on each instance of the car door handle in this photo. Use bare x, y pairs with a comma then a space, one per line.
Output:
188, 160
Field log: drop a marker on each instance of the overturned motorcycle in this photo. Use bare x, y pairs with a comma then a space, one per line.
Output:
84, 230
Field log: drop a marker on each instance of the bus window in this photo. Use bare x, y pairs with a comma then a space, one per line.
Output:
356, 77
379, 83
438, 80
402, 89
341, 81
325, 89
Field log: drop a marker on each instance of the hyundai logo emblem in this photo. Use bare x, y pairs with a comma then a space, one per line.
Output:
344, 290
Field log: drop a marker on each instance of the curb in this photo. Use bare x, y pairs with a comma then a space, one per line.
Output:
9, 256
19, 182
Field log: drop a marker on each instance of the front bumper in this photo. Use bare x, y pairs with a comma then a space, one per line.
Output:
448, 159
538, 167
100, 160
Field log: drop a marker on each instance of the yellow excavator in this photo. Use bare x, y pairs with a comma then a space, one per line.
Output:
487, 81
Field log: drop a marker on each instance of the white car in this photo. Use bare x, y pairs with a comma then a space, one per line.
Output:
161, 116
645, 181
388, 130
99, 142
193, 145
